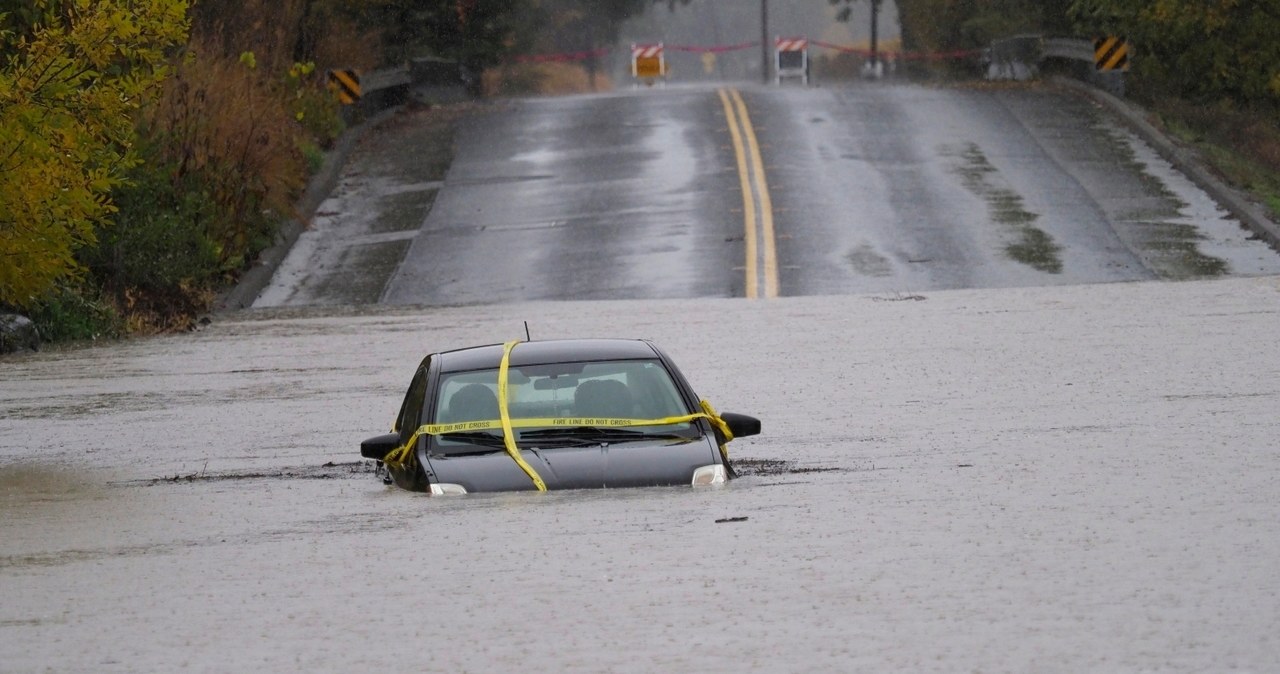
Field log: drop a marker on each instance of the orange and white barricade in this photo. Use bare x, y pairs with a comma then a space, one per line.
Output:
648, 63
791, 58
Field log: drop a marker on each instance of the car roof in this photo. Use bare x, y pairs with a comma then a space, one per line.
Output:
546, 351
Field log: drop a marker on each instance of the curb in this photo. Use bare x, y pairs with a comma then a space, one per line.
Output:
1248, 212
256, 278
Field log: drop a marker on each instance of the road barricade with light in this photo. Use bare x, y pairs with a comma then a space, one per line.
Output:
648, 63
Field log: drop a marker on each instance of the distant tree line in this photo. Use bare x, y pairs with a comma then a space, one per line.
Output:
1199, 50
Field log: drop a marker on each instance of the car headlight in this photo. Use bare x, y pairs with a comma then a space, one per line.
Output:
707, 475
446, 488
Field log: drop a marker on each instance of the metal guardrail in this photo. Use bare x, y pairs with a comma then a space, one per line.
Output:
424, 78
1067, 48
1021, 57
385, 79
378, 90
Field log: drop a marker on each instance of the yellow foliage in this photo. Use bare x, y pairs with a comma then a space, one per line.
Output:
67, 96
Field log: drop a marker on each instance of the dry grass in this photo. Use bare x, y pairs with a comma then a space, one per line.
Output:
268, 28
279, 32
344, 46
222, 136
153, 314
229, 124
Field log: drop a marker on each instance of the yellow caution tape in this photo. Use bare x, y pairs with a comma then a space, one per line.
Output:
720, 424
710, 413
402, 456
508, 434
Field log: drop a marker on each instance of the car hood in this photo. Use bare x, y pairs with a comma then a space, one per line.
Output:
624, 464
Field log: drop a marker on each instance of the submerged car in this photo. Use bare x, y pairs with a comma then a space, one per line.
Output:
556, 414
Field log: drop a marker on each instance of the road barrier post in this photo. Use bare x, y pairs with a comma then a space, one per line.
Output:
346, 84
791, 59
1110, 53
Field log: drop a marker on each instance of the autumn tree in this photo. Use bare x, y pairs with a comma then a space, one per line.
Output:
73, 74
950, 25
473, 32
1202, 50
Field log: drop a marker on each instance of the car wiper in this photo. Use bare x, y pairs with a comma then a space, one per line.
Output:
482, 438
580, 432
595, 434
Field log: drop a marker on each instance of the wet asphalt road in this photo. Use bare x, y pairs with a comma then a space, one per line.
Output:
610, 197
1053, 479
874, 188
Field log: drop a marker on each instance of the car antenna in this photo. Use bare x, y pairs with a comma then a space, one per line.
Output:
527, 338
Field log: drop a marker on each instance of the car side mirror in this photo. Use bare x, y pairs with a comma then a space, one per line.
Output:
380, 446
741, 425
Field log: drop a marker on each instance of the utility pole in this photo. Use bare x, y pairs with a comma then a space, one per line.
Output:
875, 30
764, 40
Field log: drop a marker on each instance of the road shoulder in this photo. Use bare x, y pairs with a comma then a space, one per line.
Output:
257, 277
1239, 204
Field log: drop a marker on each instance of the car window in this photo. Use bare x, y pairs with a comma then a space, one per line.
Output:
411, 409
626, 389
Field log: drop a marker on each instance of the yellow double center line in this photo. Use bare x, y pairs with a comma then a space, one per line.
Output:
762, 255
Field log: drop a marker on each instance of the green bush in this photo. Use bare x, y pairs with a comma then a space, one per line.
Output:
75, 311
1196, 50
158, 242
313, 155
314, 106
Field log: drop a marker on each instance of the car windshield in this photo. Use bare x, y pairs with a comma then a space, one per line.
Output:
562, 404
